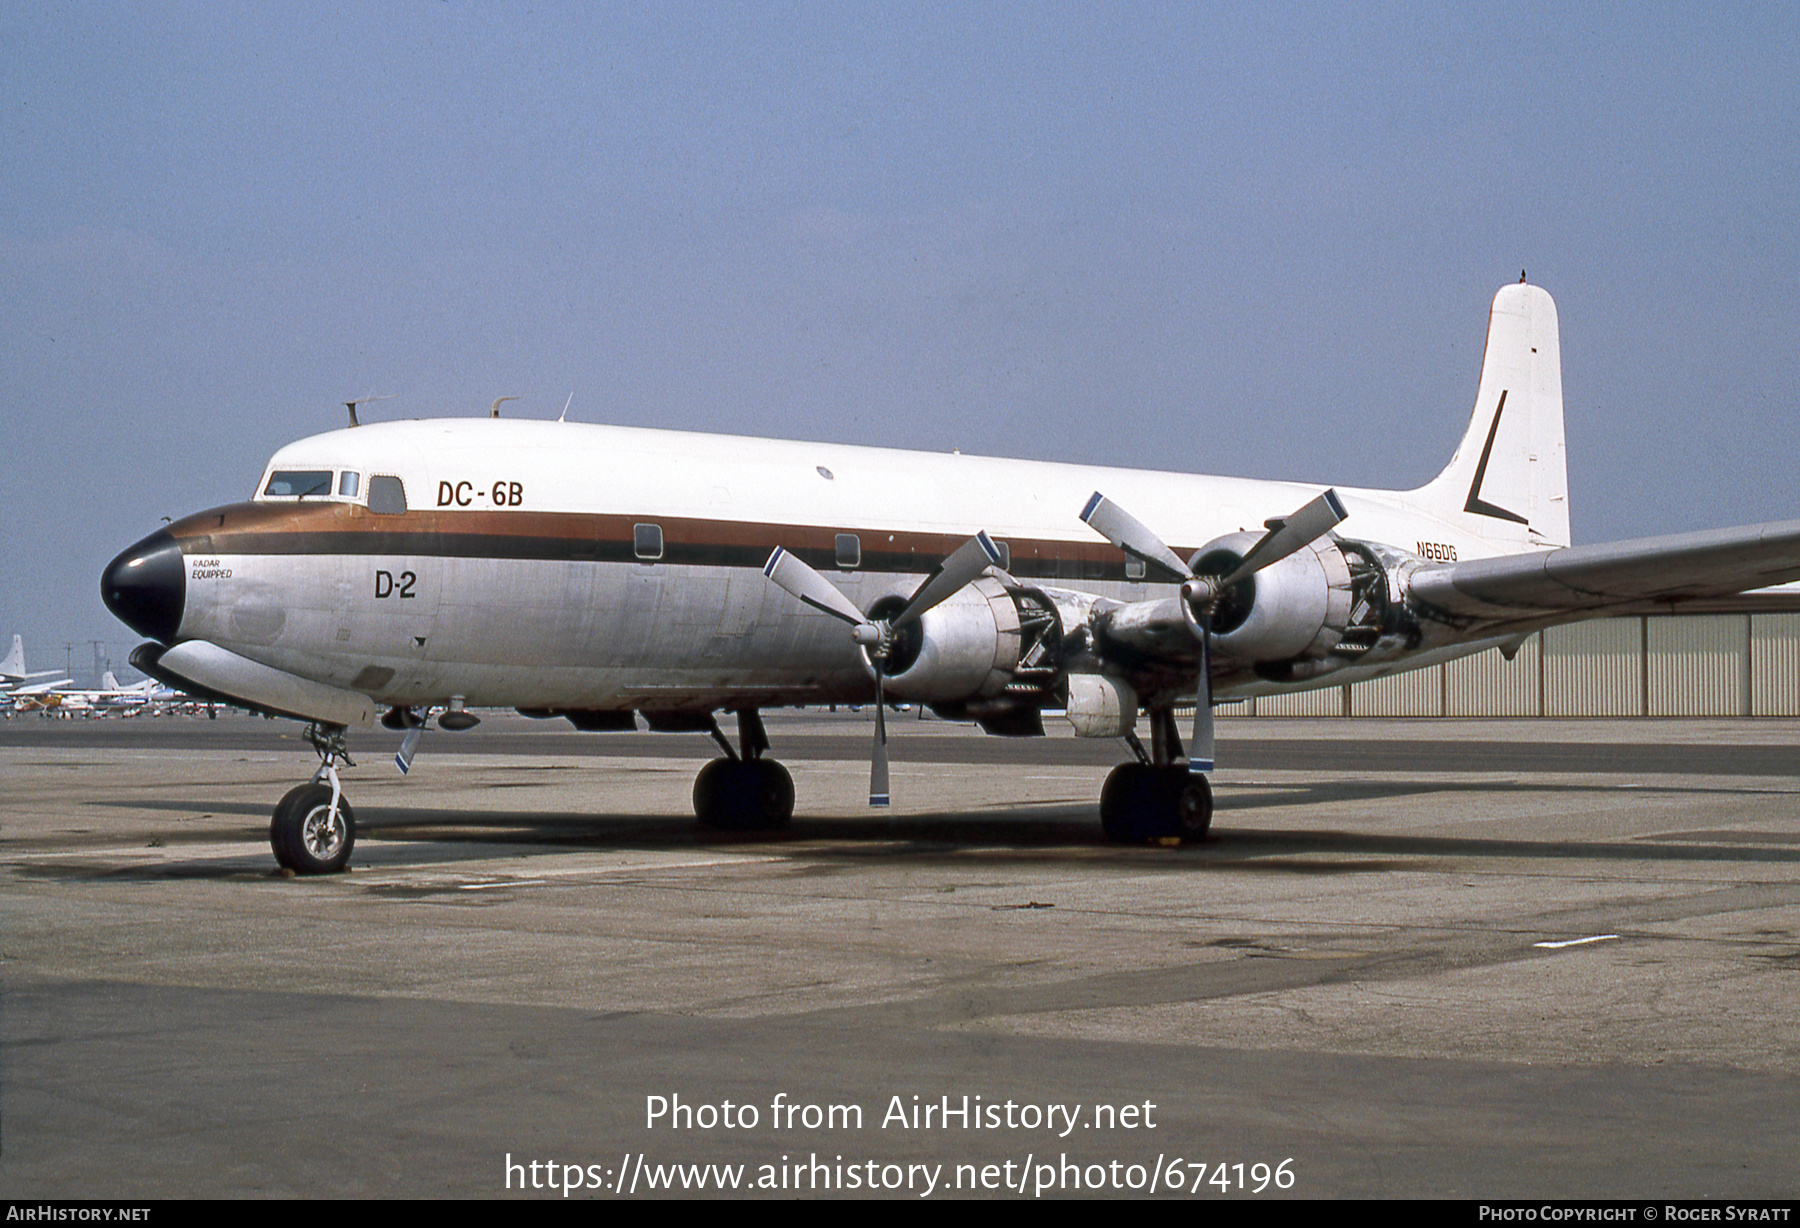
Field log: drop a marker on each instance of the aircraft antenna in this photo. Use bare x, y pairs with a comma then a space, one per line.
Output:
353, 402
494, 409
564, 416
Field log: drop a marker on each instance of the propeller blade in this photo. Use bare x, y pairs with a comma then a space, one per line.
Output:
409, 746
878, 757
809, 586
1129, 534
964, 565
1289, 534
1200, 748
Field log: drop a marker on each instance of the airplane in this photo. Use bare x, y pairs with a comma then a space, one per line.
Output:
13, 673
17, 690
594, 572
115, 694
34, 698
110, 696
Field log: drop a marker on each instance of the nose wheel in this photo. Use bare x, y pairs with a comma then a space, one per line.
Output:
313, 829
309, 834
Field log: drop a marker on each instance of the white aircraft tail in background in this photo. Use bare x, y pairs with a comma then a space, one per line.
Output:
12, 669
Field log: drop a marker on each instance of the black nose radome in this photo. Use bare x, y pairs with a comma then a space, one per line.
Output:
146, 587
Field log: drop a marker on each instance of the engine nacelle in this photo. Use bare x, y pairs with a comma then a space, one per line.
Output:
1293, 609
966, 647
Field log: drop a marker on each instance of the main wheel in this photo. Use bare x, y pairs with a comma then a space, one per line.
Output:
306, 837
1129, 803
1190, 803
744, 795
706, 789
1141, 803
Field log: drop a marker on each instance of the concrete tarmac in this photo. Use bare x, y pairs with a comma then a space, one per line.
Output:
1468, 959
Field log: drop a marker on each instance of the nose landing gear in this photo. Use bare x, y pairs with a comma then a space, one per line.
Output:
313, 829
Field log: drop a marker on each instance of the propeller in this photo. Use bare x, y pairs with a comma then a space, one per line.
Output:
1202, 593
413, 721
876, 635
409, 746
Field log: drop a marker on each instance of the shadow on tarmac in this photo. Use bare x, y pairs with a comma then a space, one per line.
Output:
1035, 833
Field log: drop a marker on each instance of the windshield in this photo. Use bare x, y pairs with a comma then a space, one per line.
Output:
298, 483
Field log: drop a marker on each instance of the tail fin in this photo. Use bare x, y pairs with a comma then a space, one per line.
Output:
109, 683
1508, 481
14, 665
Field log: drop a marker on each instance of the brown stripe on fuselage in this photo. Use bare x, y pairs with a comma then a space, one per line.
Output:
349, 528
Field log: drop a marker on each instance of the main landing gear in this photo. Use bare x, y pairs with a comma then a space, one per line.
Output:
744, 791
313, 828
1156, 798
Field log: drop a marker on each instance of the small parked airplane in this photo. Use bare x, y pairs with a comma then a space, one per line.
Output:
110, 696
595, 572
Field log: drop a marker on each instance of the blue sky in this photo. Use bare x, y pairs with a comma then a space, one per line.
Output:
1186, 237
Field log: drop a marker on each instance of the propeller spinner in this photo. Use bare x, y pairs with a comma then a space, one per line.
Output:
876, 635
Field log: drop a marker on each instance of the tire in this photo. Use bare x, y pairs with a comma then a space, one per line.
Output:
1190, 804
1141, 803
1128, 803
303, 835
706, 789
744, 795
776, 786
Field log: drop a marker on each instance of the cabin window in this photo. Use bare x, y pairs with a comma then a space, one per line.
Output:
1134, 569
349, 484
849, 550
298, 483
647, 541
387, 496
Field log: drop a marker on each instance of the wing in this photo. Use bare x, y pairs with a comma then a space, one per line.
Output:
1709, 571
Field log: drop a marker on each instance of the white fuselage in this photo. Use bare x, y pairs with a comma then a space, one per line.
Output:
562, 565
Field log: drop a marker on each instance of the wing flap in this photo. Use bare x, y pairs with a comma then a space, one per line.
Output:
1660, 571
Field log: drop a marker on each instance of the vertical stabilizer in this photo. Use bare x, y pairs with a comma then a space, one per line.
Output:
1508, 481
14, 665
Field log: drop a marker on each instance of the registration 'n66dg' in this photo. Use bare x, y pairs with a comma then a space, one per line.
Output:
1436, 552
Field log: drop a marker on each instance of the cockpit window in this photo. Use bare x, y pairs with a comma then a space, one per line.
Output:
298, 483
387, 497
348, 483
